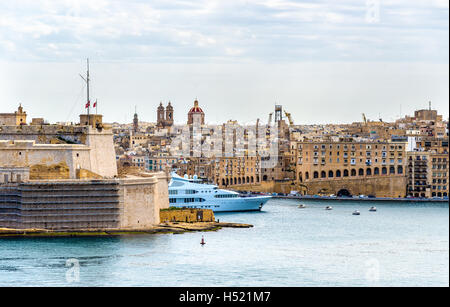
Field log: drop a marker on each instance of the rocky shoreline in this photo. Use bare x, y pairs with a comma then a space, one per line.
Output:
168, 228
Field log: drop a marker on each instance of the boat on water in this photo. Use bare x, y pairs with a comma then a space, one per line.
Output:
187, 192
302, 206
373, 209
328, 208
356, 212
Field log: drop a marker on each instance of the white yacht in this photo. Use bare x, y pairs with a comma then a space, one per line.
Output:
191, 193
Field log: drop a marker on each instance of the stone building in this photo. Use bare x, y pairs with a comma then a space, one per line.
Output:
19, 117
64, 177
418, 181
351, 168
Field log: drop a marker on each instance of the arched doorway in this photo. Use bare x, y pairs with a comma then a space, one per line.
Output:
344, 192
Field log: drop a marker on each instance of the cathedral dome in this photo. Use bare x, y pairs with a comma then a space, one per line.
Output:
195, 108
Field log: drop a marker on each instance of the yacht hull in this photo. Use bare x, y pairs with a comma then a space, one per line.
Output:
240, 204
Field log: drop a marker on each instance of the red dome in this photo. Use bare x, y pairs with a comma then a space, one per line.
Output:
195, 108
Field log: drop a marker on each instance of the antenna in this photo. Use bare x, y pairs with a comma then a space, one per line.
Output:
87, 79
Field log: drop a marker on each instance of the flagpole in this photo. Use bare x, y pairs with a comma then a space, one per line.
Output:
88, 99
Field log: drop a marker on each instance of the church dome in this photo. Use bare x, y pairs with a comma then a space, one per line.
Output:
195, 108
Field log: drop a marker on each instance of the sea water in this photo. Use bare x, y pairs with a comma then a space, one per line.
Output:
402, 244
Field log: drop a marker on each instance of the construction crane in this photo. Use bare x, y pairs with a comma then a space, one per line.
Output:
288, 115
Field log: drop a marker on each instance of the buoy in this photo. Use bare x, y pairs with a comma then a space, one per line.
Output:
203, 241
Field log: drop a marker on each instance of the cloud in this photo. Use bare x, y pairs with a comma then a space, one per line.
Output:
214, 30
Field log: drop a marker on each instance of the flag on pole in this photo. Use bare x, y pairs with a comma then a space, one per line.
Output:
95, 104
88, 104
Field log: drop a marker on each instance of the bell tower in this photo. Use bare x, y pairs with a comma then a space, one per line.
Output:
169, 115
160, 115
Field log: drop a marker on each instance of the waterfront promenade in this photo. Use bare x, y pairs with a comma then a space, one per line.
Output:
359, 199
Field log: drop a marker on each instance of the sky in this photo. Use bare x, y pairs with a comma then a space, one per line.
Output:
324, 61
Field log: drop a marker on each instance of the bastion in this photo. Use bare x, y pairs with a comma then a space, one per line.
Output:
64, 178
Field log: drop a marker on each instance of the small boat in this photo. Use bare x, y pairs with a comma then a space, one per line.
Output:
373, 209
328, 208
356, 212
302, 206
203, 241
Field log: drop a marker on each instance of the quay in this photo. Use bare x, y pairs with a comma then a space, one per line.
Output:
368, 199
163, 228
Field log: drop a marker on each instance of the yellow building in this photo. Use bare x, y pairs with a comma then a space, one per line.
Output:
17, 118
349, 167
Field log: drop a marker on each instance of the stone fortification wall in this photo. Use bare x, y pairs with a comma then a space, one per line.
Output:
387, 186
82, 147
45, 133
41, 156
83, 204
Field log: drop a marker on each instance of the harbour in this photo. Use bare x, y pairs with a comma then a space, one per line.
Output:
363, 199
402, 244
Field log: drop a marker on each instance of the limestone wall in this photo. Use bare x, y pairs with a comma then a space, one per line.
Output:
130, 203
381, 186
187, 215
143, 199
26, 153
102, 154
389, 186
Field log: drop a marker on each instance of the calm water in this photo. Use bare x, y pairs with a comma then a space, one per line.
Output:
400, 245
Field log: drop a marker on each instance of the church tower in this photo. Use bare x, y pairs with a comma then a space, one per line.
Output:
135, 122
169, 115
160, 115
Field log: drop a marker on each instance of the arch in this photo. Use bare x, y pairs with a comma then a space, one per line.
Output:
369, 172
223, 181
344, 192
265, 178
257, 178
330, 174
399, 169
307, 176
239, 180
384, 170
323, 174
439, 194
248, 179
444, 194
227, 182
361, 172
243, 180
433, 194
252, 179
346, 173
235, 180
316, 174
338, 173
300, 177
391, 170
353, 172
376, 171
